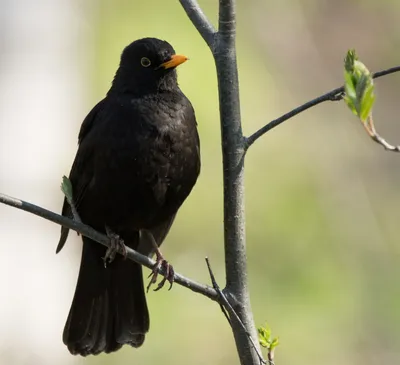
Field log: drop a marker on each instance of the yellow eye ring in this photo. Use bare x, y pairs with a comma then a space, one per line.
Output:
145, 62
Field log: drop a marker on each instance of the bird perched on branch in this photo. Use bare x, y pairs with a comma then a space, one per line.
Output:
138, 160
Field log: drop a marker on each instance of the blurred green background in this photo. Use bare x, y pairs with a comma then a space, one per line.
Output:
321, 197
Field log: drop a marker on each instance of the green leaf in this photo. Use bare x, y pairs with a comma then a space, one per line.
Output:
349, 60
265, 338
350, 91
359, 86
367, 103
264, 343
274, 343
66, 188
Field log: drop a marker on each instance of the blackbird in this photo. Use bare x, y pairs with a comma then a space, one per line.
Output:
137, 161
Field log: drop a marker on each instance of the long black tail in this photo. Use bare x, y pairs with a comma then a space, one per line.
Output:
109, 307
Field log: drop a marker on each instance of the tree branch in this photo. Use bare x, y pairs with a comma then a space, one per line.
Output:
370, 128
200, 21
224, 303
105, 241
233, 172
334, 95
233, 150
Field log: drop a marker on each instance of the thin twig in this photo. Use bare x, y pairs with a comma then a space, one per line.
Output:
271, 357
224, 303
218, 290
370, 128
200, 21
334, 95
105, 241
75, 213
66, 188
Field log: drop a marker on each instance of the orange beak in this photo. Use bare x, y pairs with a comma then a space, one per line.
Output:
175, 60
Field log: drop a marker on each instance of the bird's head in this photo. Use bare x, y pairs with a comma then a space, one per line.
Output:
147, 65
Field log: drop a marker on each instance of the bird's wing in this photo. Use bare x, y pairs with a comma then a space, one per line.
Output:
80, 175
160, 232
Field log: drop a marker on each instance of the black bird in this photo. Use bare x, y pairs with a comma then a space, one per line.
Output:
138, 160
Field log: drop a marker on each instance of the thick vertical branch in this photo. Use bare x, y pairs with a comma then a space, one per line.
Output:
223, 47
233, 150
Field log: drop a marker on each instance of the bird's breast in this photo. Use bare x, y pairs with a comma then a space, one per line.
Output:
148, 161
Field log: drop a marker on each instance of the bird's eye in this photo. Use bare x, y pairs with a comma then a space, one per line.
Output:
145, 62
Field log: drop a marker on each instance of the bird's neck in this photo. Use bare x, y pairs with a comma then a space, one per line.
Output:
124, 84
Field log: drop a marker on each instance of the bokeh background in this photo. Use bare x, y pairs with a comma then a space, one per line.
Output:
322, 199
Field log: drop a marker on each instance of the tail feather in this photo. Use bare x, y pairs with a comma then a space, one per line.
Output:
109, 307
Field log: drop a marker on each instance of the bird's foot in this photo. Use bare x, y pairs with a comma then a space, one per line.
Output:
168, 269
117, 245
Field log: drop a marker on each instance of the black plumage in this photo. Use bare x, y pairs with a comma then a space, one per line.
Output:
138, 159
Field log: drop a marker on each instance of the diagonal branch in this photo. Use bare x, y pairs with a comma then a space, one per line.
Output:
200, 21
334, 95
105, 241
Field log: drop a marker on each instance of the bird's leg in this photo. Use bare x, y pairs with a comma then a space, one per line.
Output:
117, 245
160, 262
169, 271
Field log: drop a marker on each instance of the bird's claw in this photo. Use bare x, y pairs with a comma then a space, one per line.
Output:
117, 245
169, 274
